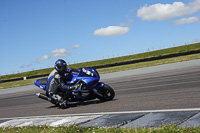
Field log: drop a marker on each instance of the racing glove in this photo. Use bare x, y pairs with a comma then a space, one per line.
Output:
75, 87
69, 87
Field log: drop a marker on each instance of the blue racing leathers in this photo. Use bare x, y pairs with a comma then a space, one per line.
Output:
56, 79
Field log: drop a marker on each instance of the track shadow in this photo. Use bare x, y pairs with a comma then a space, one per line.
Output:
82, 103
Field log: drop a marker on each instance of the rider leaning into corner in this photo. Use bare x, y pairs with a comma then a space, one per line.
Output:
57, 79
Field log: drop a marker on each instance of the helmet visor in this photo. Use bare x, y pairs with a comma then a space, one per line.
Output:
63, 68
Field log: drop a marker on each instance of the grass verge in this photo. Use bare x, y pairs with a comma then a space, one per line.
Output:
113, 69
157, 53
77, 129
149, 63
17, 83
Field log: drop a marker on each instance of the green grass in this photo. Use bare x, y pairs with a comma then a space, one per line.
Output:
77, 129
112, 69
157, 53
26, 74
149, 63
17, 83
112, 60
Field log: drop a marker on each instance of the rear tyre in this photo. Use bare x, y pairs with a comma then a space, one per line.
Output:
107, 93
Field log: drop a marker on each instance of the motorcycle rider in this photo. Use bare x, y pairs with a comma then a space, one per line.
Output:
57, 79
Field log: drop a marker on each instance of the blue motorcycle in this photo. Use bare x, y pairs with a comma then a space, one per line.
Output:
90, 87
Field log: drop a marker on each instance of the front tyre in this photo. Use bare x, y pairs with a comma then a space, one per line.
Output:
107, 93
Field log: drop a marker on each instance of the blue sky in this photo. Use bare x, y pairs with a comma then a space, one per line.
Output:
35, 33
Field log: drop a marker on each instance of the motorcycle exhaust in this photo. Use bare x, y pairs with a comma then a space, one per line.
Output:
44, 97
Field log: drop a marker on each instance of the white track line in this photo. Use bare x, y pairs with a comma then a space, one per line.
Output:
108, 113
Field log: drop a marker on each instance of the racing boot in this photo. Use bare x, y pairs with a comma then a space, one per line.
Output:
53, 98
63, 103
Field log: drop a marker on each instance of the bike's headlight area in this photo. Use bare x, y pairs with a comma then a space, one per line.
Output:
88, 72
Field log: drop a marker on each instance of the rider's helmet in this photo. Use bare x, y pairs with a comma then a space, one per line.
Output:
61, 66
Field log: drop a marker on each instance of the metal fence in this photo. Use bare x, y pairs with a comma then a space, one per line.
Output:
115, 64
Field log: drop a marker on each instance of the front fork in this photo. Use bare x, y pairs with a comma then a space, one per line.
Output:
97, 90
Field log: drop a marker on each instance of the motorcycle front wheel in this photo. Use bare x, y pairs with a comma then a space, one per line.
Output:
106, 93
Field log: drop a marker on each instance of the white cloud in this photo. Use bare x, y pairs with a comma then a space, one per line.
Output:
187, 20
23, 66
60, 52
111, 31
55, 53
126, 24
45, 57
76, 46
168, 11
129, 24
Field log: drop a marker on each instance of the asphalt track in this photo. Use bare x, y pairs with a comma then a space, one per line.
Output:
170, 88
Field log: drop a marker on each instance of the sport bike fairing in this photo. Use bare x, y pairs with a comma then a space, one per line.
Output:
89, 87
88, 76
